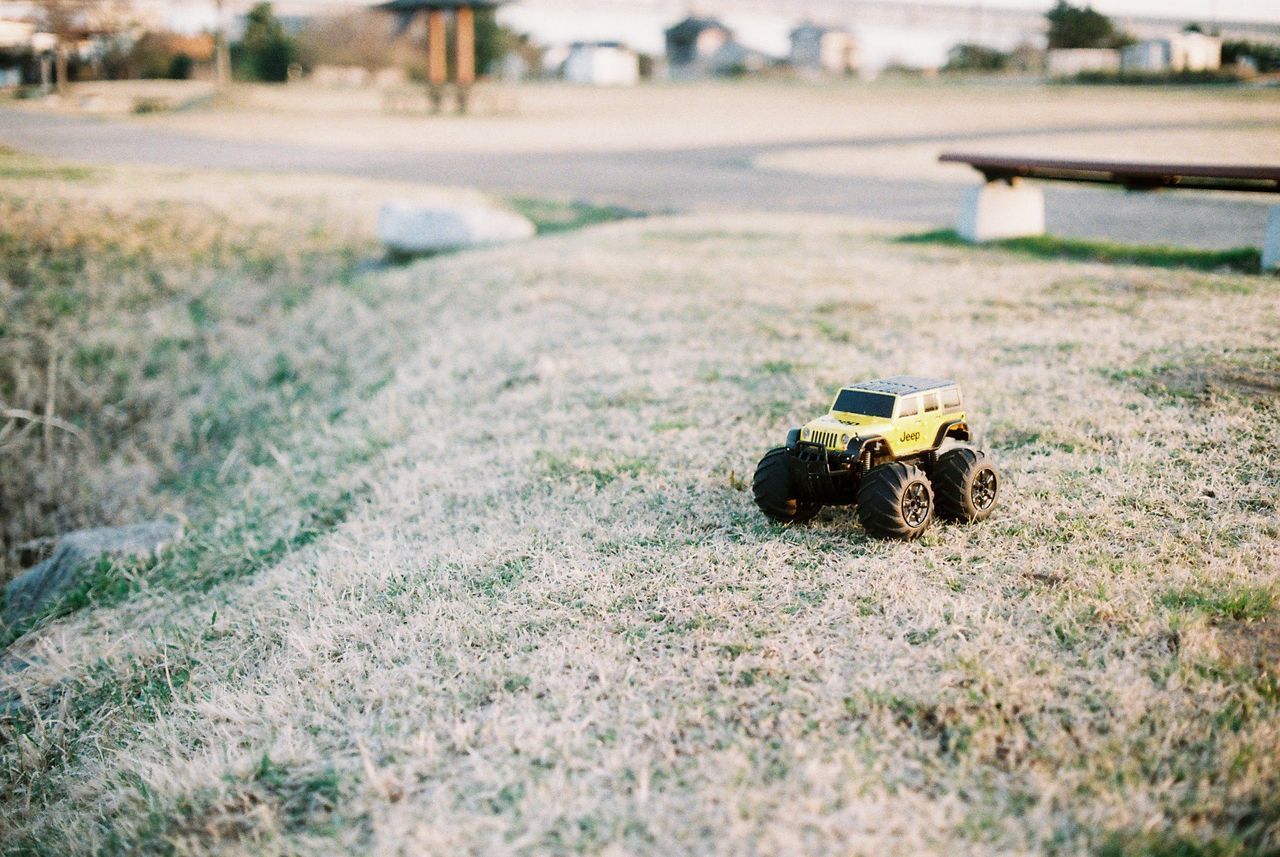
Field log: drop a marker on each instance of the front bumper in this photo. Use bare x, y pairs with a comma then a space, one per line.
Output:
821, 475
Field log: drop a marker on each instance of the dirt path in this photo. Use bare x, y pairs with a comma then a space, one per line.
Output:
721, 178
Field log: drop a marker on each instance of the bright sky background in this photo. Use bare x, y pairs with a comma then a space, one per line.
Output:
640, 22
1241, 10
1249, 10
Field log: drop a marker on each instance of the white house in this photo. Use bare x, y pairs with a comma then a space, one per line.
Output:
16, 34
601, 64
1176, 52
823, 50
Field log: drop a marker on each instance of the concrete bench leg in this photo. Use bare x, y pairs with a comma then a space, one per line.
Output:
1271, 241
1001, 210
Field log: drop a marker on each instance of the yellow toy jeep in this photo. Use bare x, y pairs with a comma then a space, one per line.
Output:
879, 448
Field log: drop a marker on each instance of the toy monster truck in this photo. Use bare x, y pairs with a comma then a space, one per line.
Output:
879, 448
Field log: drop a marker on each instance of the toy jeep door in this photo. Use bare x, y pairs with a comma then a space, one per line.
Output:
931, 412
952, 408
909, 432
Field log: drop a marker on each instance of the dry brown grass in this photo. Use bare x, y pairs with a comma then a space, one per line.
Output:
556, 623
148, 321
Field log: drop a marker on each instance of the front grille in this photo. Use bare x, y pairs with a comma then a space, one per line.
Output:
826, 438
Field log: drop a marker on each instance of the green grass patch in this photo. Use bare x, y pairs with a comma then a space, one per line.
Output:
215, 551
9, 170
1223, 77
143, 688
598, 471
1246, 260
1245, 375
1241, 833
17, 165
300, 798
551, 216
1238, 603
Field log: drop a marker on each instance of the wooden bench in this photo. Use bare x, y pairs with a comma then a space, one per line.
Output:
1003, 207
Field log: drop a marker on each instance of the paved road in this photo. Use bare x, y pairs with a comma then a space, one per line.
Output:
676, 180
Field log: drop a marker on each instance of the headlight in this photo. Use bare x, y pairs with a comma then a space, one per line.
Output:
804, 434
844, 439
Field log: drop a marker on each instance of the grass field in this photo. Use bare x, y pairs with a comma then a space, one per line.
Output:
503, 589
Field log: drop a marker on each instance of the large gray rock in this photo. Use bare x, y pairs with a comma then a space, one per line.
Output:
76, 554
417, 227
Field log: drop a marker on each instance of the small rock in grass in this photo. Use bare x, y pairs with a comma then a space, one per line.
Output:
76, 554
412, 228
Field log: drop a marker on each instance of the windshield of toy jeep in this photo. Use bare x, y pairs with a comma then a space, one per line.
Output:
864, 403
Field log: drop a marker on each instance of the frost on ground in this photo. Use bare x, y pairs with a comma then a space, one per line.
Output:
554, 621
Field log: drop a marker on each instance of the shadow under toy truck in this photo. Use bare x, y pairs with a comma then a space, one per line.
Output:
879, 448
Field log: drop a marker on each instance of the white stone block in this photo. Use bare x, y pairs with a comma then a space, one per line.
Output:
1271, 241
999, 210
415, 227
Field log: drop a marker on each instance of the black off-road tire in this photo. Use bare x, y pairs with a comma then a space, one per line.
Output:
895, 501
775, 492
968, 484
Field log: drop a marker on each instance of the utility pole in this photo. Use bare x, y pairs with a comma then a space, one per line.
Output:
221, 51
60, 63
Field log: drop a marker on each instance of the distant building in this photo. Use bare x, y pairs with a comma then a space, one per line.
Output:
601, 64
26, 53
698, 47
1177, 52
1068, 62
823, 50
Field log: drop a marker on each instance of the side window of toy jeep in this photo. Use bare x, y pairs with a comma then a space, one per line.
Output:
930, 402
951, 397
908, 406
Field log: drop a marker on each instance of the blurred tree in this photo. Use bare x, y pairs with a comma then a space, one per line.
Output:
265, 52
1081, 27
373, 40
1265, 57
365, 39
161, 55
971, 57
493, 41
180, 67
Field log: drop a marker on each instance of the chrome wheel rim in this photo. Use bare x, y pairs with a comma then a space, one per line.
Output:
915, 504
985, 486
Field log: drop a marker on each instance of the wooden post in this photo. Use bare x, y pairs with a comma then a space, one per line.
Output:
437, 56
466, 43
